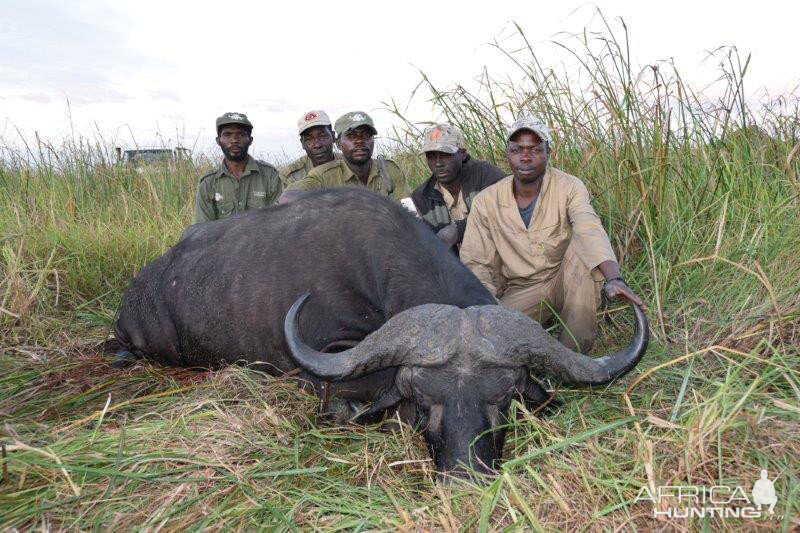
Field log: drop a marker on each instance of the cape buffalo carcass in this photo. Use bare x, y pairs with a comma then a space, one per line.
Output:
345, 267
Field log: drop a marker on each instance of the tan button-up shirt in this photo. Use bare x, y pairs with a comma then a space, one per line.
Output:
456, 207
338, 174
497, 246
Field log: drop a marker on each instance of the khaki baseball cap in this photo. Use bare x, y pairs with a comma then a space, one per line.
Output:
233, 118
352, 120
443, 138
531, 124
311, 119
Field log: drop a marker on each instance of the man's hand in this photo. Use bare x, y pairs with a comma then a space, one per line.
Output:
617, 288
448, 235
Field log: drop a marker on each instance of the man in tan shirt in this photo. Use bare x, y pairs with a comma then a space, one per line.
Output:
535, 242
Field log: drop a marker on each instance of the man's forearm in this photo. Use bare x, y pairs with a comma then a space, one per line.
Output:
618, 288
609, 269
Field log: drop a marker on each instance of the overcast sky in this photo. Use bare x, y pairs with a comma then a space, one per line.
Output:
130, 70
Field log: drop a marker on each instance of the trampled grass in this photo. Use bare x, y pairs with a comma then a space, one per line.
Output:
700, 198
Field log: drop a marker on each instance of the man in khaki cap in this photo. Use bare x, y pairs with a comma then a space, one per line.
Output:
535, 242
444, 200
239, 182
355, 137
316, 138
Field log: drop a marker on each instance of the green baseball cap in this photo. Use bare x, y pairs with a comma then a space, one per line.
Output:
352, 120
234, 118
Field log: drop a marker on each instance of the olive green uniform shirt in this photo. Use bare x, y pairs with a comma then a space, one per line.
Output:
499, 249
220, 194
298, 169
338, 174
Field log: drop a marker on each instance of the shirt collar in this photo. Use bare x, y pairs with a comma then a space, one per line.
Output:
431, 189
350, 175
250, 167
506, 197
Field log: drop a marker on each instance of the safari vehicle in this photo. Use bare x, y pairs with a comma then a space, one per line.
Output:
148, 156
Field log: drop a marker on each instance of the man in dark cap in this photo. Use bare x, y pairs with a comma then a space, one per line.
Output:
355, 133
240, 182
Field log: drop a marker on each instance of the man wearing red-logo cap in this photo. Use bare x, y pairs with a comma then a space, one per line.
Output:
316, 138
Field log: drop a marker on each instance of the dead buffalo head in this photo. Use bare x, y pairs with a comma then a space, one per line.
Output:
461, 368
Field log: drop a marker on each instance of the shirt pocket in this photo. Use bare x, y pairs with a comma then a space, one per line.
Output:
551, 243
225, 204
257, 199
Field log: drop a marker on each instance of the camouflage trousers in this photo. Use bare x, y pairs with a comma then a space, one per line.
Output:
573, 293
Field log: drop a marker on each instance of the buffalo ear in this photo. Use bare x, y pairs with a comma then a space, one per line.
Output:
538, 400
386, 399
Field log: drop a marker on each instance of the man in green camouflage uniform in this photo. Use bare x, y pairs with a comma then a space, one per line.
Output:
316, 138
240, 182
355, 137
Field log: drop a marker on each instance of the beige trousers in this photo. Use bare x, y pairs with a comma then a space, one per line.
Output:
573, 293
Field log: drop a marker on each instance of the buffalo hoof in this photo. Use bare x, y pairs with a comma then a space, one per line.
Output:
340, 410
123, 359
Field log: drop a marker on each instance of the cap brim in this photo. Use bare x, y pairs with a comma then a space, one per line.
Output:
358, 125
234, 123
314, 125
440, 147
526, 128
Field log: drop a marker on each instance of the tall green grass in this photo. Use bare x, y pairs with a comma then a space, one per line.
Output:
699, 195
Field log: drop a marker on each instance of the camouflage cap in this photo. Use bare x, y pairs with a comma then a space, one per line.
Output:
443, 138
233, 118
352, 120
531, 124
311, 119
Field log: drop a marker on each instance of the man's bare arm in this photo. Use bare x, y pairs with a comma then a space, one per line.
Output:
616, 286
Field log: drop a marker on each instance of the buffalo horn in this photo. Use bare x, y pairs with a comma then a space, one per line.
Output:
542, 353
396, 343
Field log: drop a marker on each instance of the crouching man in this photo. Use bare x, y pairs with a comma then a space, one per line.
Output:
534, 240
444, 199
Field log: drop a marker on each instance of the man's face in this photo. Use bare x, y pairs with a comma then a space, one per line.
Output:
445, 167
318, 144
357, 144
234, 140
527, 156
